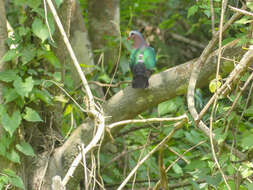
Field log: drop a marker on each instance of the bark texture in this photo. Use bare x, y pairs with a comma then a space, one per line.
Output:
104, 19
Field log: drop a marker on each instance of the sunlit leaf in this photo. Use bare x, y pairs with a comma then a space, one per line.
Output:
8, 75
13, 156
31, 115
192, 10
11, 123
40, 29
25, 148
23, 88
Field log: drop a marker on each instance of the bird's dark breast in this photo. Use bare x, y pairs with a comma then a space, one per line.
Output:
140, 76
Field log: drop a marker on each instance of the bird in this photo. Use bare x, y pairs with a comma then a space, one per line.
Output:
142, 60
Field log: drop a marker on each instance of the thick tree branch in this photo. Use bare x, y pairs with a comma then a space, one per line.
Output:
129, 102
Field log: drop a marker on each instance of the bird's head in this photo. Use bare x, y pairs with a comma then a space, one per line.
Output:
138, 39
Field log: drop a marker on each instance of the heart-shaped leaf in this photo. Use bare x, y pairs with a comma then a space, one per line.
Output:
11, 123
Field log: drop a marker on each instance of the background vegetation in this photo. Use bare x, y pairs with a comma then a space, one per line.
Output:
42, 128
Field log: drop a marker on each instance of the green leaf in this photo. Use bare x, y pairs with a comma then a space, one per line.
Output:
57, 76
14, 179
170, 106
249, 112
17, 182
8, 75
28, 53
50, 56
58, 3
10, 55
213, 85
9, 94
68, 109
10, 124
31, 115
23, 88
31, 3
43, 95
40, 30
104, 78
177, 169
246, 141
13, 156
25, 148
192, 10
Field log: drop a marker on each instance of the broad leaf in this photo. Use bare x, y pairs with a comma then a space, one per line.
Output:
28, 53
11, 123
9, 94
14, 179
40, 30
192, 10
25, 148
13, 156
23, 88
8, 75
170, 106
10, 55
31, 115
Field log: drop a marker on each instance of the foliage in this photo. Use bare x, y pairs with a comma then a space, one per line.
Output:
29, 94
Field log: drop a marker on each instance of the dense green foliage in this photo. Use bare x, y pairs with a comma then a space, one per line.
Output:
33, 76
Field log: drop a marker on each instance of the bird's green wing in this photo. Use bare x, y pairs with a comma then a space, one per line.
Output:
149, 57
133, 56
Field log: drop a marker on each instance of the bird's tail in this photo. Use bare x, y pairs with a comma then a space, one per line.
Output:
140, 76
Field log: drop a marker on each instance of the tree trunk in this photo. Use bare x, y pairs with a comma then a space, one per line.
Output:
104, 19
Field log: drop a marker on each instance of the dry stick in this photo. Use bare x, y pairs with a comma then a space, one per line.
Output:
45, 8
98, 117
179, 155
85, 168
195, 73
165, 140
108, 85
239, 94
72, 55
173, 163
59, 86
234, 75
223, 9
212, 17
151, 120
187, 40
240, 11
118, 60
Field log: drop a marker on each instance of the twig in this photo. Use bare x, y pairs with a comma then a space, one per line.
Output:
118, 59
108, 85
212, 148
241, 11
223, 9
179, 155
73, 57
173, 163
195, 73
212, 17
92, 144
45, 9
239, 94
234, 75
59, 86
98, 117
165, 140
187, 40
151, 120
85, 168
